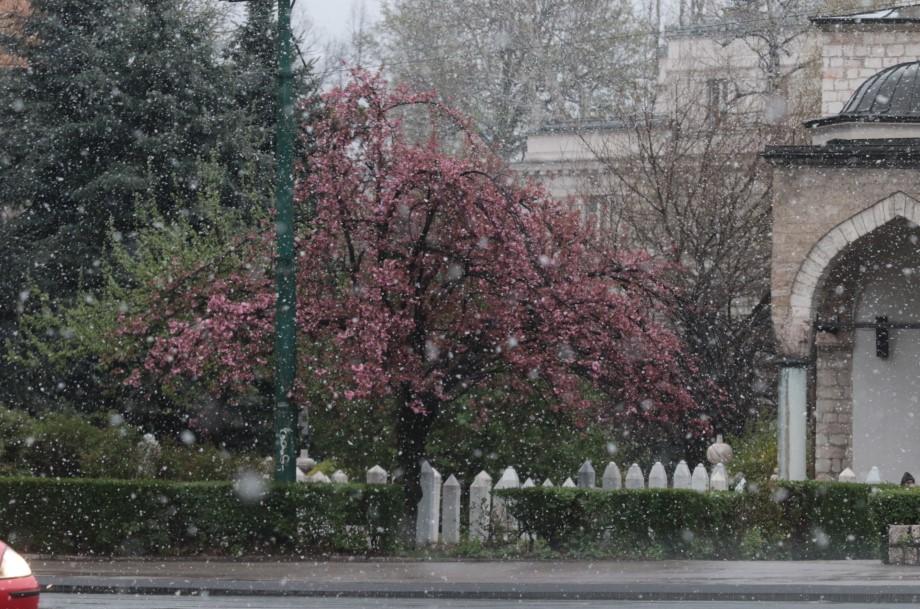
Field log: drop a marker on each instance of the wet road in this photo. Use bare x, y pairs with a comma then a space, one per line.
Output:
85, 601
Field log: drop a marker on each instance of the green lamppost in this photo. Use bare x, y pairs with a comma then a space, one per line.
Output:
286, 437
286, 296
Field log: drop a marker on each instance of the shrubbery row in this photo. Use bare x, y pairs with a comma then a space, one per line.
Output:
113, 517
66, 444
789, 520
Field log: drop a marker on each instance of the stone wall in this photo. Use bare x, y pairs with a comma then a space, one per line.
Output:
833, 406
850, 54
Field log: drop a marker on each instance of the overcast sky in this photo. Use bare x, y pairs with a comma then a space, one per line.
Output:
331, 17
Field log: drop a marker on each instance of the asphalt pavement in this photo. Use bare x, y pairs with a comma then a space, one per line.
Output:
76, 601
777, 581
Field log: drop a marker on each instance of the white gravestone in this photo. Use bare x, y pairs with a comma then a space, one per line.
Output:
634, 477
682, 476
429, 507
376, 475
847, 475
480, 506
450, 514
719, 479
658, 478
501, 518
699, 481
612, 479
586, 475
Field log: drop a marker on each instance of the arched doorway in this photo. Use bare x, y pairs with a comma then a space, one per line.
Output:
886, 353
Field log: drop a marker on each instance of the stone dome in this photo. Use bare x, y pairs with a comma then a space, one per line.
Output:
893, 93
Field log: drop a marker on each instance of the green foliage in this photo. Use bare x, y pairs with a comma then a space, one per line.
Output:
791, 520
649, 523
68, 445
755, 452
82, 348
113, 517
894, 506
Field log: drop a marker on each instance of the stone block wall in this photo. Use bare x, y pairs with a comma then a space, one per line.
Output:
904, 544
852, 54
833, 408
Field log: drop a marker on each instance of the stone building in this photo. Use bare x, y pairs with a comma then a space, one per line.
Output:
10, 12
846, 262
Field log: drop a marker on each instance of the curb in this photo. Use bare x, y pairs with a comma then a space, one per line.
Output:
488, 591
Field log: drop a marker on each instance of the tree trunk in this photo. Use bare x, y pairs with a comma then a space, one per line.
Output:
412, 431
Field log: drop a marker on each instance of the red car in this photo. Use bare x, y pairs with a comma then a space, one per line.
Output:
18, 588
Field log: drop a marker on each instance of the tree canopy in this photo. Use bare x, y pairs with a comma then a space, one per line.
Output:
426, 276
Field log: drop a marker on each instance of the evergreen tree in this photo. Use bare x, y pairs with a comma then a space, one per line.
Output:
118, 100
115, 101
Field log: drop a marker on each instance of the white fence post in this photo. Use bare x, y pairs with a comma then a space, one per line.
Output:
450, 515
376, 475
634, 477
612, 478
682, 476
480, 506
429, 507
658, 478
699, 481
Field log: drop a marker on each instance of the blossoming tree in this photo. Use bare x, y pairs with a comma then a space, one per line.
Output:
424, 276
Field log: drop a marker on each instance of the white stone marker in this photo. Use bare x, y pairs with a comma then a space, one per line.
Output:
874, 476
569, 483
682, 475
847, 475
500, 516
429, 507
699, 481
586, 475
547, 483
480, 506
450, 514
612, 478
340, 477
376, 475
319, 477
634, 477
529, 483
658, 478
719, 479
742, 484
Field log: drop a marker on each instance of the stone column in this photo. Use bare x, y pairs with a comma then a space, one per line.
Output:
793, 418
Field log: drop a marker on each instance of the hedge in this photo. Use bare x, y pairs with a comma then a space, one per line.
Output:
126, 517
789, 520
894, 506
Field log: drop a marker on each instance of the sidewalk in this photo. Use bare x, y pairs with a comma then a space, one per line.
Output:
842, 581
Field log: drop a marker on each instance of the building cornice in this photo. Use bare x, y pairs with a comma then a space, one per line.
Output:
848, 153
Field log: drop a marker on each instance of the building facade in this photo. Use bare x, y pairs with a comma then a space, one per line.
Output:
846, 260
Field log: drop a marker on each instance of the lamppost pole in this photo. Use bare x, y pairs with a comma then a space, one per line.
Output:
286, 294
